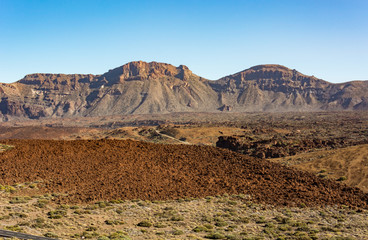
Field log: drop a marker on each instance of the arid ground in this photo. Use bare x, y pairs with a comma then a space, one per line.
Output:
288, 176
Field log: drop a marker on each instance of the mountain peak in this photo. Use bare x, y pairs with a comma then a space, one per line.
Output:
140, 70
269, 67
271, 71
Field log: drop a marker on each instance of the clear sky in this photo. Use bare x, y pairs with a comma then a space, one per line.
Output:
324, 38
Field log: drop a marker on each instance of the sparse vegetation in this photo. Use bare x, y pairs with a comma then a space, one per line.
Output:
212, 221
7, 188
214, 235
17, 200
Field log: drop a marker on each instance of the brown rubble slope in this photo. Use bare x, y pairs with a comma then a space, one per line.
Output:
93, 170
146, 88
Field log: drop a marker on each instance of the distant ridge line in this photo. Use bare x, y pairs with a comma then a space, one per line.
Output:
158, 88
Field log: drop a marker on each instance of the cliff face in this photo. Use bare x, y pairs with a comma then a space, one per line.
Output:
143, 88
143, 71
44, 95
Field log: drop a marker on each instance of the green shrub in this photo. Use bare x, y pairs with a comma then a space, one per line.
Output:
144, 224
20, 215
343, 178
232, 203
242, 220
119, 236
119, 211
178, 232
57, 214
159, 225
113, 222
208, 226
63, 207
232, 237
284, 227
14, 228
91, 228
50, 235
89, 234
80, 212
177, 218
41, 203
221, 224
199, 229
215, 236
260, 220
40, 223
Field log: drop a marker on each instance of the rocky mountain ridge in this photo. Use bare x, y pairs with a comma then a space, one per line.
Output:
144, 88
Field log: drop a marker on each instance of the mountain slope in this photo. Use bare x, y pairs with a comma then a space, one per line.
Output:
272, 88
140, 87
144, 88
134, 88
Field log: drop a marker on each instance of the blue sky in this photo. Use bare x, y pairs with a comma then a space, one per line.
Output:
324, 38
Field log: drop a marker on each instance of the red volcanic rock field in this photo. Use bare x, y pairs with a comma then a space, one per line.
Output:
91, 170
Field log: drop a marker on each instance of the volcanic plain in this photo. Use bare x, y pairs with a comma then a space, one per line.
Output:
271, 176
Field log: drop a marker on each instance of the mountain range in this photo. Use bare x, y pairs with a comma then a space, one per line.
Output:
146, 88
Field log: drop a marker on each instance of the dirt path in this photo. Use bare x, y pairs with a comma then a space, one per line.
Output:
175, 139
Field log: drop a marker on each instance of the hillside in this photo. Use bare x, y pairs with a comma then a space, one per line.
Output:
148, 88
92, 170
349, 165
